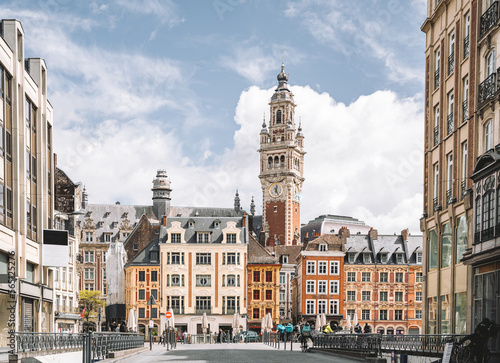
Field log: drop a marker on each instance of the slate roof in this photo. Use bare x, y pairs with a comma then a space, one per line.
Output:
143, 257
333, 242
258, 254
329, 224
207, 224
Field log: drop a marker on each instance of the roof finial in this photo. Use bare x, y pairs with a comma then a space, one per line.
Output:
283, 58
264, 121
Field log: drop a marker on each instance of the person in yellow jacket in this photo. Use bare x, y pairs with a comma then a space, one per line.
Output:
327, 329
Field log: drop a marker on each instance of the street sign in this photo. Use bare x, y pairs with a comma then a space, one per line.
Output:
168, 315
151, 324
151, 300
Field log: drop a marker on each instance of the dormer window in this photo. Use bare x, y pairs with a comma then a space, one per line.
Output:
203, 237
153, 255
419, 257
322, 247
284, 259
231, 238
175, 238
216, 224
350, 257
399, 258
367, 258
191, 223
383, 257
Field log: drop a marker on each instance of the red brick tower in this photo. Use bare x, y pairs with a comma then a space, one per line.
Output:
281, 168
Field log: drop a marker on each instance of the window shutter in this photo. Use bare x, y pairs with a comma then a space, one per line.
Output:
182, 258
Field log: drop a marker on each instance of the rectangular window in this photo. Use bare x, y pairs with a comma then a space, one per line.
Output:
365, 295
154, 313
269, 294
398, 296
154, 276
351, 295
383, 295
233, 258
334, 307
176, 238
256, 276
384, 277
446, 247
462, 234
269, 276
436, 186
419, 258
365, 276
311, 268
418, 296
418, 314
334, 267
203, 304
334, 287
399, 277
282, 297
142, 294
231, 280
449, 177
321, 287
256, 313
176, 280
322, 267
351, 277
203, 258
351, 312
89, 287
89, 273
398, 314
89, 256
203, 280
433, 249
418, 277
310, 307
231, 238
282, 278
367, 258
89, 236
321, 306
310, 287
175, 258
256, 294
203, 237
383, 314
365, 314
142, 313
142, 276
30, 272
383, 257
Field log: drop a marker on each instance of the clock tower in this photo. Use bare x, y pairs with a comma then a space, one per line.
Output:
281, 168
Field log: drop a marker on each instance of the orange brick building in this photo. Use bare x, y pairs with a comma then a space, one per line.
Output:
263, 285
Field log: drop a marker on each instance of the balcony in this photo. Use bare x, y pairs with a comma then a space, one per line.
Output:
466, 46
178, 311
436, 135
486, 89
464, 187
67, 309
449, 197
450, 123
451, 63
435, 205
488, 19
231, 311
465, 110
436, 79
199, 311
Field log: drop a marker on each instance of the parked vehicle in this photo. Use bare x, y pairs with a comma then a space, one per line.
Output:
250, 336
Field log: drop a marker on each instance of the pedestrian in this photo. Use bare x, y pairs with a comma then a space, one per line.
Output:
367, 328
220, 336
123, 328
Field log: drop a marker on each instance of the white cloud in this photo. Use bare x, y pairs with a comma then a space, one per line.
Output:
164, 10
249, 62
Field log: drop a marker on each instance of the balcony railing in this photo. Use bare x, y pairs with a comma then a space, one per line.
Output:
487, 234
436, 135
201, 311
67, 309
435, 204
449, 196
466, 46
464, 187
451, 63
436, 79
486, 89
488, 19
450, 123
465, 110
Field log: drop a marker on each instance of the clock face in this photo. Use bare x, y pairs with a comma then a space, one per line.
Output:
275, 190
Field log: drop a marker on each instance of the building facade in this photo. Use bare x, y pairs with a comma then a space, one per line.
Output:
263, 291
281, 168
452, 126
383, 282
26, 184
318, 283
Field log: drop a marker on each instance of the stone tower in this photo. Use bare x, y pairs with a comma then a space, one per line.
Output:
281, 168
161, 194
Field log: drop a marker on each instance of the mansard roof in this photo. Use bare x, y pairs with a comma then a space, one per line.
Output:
144, 257
486, 163
257, 254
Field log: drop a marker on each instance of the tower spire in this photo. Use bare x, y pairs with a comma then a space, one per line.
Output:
237, 206
252, 207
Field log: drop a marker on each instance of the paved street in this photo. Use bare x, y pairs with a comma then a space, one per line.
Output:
240, 353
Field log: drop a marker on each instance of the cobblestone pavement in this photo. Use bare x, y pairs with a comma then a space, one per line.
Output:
238, 353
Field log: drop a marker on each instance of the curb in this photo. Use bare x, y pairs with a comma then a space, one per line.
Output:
130, 354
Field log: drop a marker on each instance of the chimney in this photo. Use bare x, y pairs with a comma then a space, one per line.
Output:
373, 234
405, 233
163, 227
344, 233
244, 220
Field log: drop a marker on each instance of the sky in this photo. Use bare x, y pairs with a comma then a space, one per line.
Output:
141, 85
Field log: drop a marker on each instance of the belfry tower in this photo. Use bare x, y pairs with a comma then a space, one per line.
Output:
281, 168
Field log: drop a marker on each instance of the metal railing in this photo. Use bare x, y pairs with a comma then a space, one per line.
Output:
464, 187
465, 110
488, 19
103, 343
486, 89
451, 63
449, 196
436, 79
32, 342
375, 344
450, 123
435, 204
466, 46
436, 135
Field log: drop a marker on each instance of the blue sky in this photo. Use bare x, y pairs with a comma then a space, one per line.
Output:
184, 85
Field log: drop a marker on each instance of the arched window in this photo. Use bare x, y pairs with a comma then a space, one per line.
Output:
488, 209
282, 160
490, 64
488, 135
278, 117
478, 215
270, 162
276, 162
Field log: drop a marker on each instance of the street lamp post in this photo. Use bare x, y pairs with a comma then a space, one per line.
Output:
151, 302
